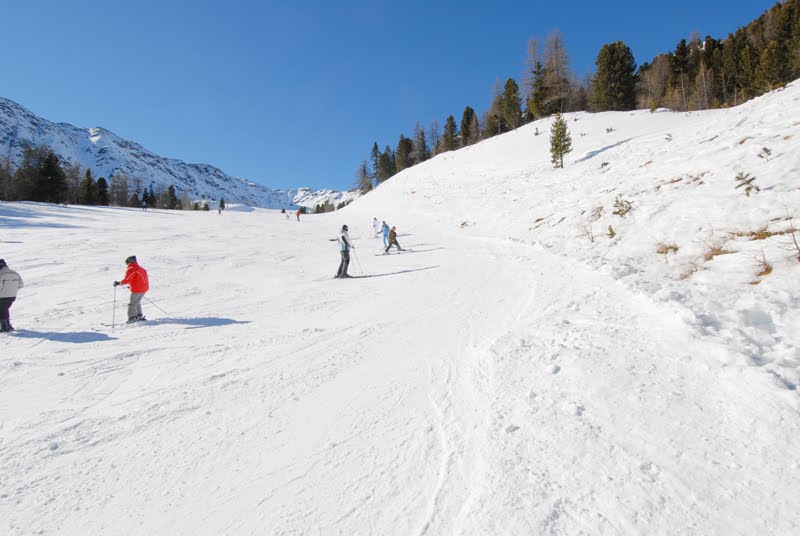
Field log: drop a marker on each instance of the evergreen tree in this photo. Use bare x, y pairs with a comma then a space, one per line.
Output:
680, 66
450, 134
614, 84
533, 82
747, 68
538, 96
87, 193
386, 165
560, 141
221, 199
51, 181
102, 197
511, 106
404, 155
39, 177
172, 199
26, 177
771, 68
5, 180
493, 120
375, 156
470, 129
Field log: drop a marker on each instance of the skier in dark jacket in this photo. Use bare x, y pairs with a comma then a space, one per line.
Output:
393, 240
344, 248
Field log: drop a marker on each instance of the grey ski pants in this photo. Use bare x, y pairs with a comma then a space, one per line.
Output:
135, 305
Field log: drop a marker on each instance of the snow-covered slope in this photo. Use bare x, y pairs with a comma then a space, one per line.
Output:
506, 376
106, 154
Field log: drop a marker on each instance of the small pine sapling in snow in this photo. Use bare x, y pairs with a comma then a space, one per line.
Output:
765, 153
745, 180
622, 206
560, 141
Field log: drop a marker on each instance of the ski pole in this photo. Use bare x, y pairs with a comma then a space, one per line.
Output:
358, 261
114, 310
156, 306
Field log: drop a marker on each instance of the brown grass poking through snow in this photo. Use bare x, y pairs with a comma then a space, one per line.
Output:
716, 251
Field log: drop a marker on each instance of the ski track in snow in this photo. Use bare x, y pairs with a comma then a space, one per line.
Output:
510, 377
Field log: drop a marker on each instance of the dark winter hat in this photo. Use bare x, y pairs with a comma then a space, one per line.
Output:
344, 228
130, 259
3, 263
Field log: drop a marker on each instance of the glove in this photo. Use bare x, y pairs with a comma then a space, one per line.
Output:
116, 283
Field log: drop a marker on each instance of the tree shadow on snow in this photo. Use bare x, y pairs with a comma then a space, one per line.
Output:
75, 337
592, 154
195, 323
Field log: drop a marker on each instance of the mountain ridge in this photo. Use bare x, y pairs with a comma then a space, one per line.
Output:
107, 153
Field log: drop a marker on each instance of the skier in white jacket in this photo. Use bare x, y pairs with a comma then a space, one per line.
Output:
10, 283
344, 248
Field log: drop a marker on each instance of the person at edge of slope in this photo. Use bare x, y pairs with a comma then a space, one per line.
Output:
385, 231
137, 281
144, 205
10, 283
344, 248
298, 214
376, 227
393, 241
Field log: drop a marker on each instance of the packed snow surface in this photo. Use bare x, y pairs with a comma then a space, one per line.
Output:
518, 371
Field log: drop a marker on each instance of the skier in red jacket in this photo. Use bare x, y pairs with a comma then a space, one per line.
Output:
136, 279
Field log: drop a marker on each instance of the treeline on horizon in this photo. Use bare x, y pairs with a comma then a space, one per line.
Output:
697, 75
41, 177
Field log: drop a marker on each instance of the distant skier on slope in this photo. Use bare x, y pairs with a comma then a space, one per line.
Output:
344, 248
393, 240
10, 283
137, 281
385, 231
376, 227
298, 214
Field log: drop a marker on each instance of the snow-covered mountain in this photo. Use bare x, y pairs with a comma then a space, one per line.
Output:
106, 154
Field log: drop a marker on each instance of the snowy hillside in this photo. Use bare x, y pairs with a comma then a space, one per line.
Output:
517, 371
106, 154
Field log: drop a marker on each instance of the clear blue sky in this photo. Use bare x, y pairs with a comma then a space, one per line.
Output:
294, 93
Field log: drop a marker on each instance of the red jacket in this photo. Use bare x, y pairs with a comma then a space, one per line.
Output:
136, 277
